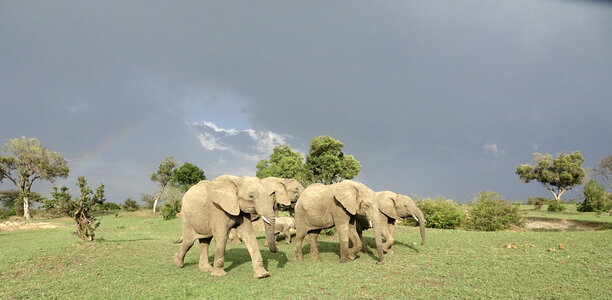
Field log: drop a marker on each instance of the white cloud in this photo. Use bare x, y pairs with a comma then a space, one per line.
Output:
209, 142
493, 149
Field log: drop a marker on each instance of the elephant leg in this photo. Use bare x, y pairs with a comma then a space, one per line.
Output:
364, 247
287, 235
250, 240
391, 229
186, 244
388, 238
299, 238
220, 234
313, 235
354, 241
343, 236
234, 236
204, 265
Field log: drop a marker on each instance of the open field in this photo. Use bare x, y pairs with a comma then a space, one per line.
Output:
133, 259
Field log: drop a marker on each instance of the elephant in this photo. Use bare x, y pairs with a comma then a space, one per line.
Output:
325, 206
283, 224
285, 190
211, 208
392, 206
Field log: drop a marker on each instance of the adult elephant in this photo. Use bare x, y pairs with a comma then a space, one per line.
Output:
211, 208
285, 191
392, 206
325, 206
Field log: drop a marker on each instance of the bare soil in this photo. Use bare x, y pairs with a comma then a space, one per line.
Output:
21, 225
559, 224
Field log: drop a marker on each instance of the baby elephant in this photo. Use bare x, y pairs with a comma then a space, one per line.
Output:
283, 224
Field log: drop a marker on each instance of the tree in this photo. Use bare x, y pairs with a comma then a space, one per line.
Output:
163, 177
605, 169
62, 201
86, 223
186, 176
489, 211
596, 198
326, 163
26, 161
130, 204
283, 163
557, 175
148, 200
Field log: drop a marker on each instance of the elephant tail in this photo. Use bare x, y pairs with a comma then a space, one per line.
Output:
180, 240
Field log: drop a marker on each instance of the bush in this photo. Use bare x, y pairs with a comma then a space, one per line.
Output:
5, 213
439, 213
555, 206
130, 204
538, 202
489, 212
169, 212
596, 198
110, 206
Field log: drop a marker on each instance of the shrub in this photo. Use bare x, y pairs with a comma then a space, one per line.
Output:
555, 206
110, 206
168, 212
596, 198
439, 213
130, 204
5, 213
490, 212
538, 202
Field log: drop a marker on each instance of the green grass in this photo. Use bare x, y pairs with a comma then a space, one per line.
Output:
570, 214
133, 260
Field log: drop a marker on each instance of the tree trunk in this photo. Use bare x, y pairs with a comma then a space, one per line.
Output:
157, 197
26, 207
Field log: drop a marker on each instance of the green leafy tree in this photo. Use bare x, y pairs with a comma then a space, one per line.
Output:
186, 176
557, 175
130, 204
86, 223
163, 176
61, 201
596, 198
283, 163
326, 163
148, 200
26, 161
12, 200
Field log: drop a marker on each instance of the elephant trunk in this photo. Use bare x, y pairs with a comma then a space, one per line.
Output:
421, 219
270, 226
377, 226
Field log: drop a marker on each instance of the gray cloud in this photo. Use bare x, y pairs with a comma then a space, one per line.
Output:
415, 90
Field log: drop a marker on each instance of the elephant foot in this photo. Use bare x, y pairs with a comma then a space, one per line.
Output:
236, 242
316, 257
352, 256
178, 262
345, 259
206, 268
261, 274
298, 257
389, 251
217, 272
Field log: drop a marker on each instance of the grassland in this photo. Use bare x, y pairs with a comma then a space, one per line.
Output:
133, 259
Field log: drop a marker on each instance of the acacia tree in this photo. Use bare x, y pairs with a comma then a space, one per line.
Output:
86, 223
163, 177
605, 169
326, 163
283, 163
556, 175
26, 161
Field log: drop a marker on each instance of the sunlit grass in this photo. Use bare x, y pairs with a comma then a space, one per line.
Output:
133, 259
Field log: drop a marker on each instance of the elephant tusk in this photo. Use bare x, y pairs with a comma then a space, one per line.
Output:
417, 219
276, 219
370, 223
266, 220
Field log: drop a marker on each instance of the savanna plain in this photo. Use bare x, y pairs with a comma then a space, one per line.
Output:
132, 259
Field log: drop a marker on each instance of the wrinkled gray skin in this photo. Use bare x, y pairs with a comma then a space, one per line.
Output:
391, 207
325, 206
285, 191
211, 208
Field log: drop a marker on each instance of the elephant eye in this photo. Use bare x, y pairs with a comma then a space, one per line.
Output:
251, 196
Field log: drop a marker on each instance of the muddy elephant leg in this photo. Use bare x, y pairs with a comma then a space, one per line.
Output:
287, 235
343, 236
186, 244
220, 235
313, 235
389, 237
364, 247
299, 238
250, 240
354, 241
204, 265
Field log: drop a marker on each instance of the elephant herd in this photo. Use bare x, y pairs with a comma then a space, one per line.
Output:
210, 209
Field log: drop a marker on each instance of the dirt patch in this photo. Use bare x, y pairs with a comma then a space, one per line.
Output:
20, 225
559, 225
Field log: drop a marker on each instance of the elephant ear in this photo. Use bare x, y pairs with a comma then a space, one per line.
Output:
280, 190
225, 195
346, 194
386, 204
